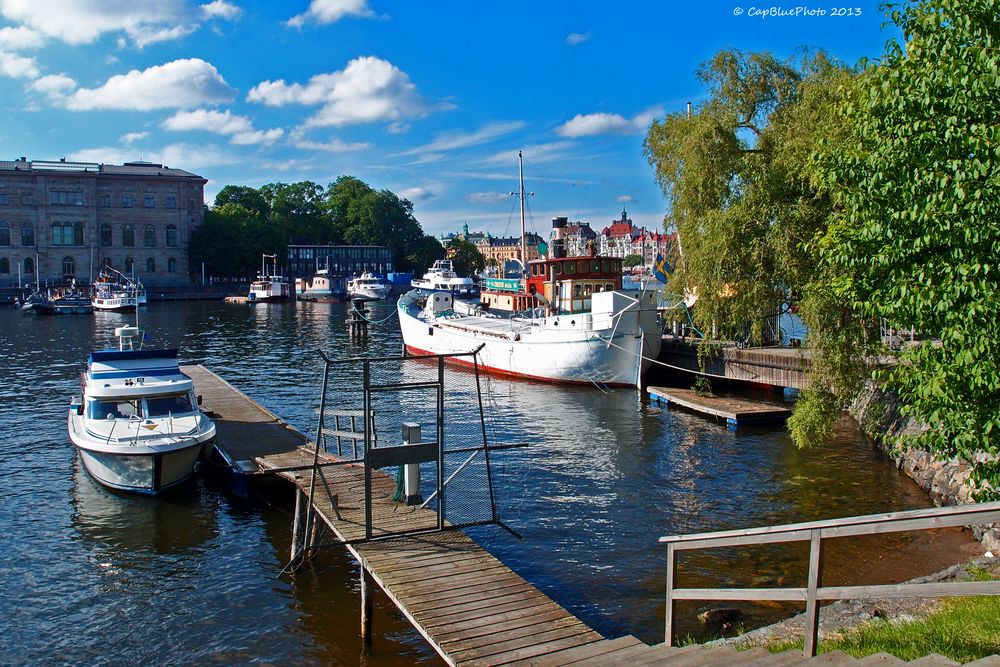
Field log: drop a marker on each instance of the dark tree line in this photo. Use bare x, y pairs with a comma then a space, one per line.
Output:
246, 222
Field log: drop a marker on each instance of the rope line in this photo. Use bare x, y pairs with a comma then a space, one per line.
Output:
665, 364
383, 321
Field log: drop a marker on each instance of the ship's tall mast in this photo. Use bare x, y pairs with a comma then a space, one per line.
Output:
521, 194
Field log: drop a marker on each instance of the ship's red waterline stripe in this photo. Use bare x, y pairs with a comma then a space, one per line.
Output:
462, 361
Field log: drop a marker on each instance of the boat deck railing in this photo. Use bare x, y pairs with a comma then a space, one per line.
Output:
815, 532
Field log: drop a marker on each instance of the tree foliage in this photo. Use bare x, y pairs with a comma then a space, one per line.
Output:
916, 238
736, 175
246, 222
631, 261
465, 257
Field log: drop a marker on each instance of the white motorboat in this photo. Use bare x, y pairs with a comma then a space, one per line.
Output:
268, 286
114, 291
442, 276
317, 288
368, 287
137, 423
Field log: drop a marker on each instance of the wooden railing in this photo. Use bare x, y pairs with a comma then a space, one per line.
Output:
815, 532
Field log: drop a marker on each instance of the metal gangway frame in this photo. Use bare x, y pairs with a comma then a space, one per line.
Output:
815, 532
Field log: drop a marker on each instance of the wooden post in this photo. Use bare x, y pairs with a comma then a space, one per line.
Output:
297, 527
812, 604
671, 563
367, 607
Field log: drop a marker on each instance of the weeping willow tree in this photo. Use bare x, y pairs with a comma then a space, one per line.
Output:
737, 178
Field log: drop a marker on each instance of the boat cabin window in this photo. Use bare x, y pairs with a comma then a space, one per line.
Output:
607, 266
595, 266
570, 268
167, 405
610, 287
558, 268
113, 409
576, 290
598, 287
586, 289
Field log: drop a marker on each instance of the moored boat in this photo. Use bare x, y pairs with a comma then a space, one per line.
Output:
114, 291
137, 424
70, 301
367, 287
442, 276
268, 287
317, 288
37, 303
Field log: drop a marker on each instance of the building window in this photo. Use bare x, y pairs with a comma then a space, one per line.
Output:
67, 233
106, 263
149, 201
4, 265
4, 198
150, 265
77, 233
171, 201
66, 198
105, 199
106, 234
171, 236
171, 265
28, 236
128, 236
57, 233
69, 267
29, 265
149, 236
190, 204
28, 198
129, 264
4, 233
126, 201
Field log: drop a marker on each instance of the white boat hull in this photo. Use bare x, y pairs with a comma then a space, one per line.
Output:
564, 348
142, 473
369, 293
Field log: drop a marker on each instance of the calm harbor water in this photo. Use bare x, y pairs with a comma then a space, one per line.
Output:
95, 577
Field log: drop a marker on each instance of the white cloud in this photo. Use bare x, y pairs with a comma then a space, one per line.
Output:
220, 9
178, 156
54, 86
20, 38
132, 137
287, 165
625, 198
239, 128
332, 146
587, 125
84, 21
174, 85
553, 150
575, 38
416, 194
368, 90
487, 197
323, 12
17, 67
398, 128
451, 140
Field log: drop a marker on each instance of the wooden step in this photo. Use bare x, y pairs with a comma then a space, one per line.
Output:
575, 655
880, 659
933, 660
832, 658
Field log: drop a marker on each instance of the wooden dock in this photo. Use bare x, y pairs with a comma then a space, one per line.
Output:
471, 608
736, 411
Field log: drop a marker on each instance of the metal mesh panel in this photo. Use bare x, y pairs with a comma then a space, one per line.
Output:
439, 397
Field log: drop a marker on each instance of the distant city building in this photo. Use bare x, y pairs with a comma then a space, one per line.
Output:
579, 239
496, 250
63, 220
342, 261
622, 239
472, 237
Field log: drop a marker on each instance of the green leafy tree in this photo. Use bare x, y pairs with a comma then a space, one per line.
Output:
736, 176
422, 253
916, 240
632, 261
465, 257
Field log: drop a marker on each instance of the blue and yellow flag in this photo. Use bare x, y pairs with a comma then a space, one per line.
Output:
661, 268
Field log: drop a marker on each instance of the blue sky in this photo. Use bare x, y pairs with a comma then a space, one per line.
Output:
431, 100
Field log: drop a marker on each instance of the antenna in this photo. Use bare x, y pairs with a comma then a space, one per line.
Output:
521, 194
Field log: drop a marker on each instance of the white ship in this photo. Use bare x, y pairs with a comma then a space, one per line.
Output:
442, 276
137, 424
268, 286
367, 286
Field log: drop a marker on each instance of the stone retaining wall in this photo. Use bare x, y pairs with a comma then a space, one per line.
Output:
945, 482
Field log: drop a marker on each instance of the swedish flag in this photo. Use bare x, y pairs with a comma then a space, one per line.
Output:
661, 268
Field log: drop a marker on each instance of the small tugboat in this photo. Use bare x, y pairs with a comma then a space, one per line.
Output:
137, 424
71, 301
367, 287
317, 288
268, 287
442, 276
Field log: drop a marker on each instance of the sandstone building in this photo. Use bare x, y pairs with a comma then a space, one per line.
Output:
63, 220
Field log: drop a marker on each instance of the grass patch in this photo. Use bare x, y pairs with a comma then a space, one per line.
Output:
963, 629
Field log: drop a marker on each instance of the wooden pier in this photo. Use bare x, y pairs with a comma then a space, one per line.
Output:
778, 366
736, 411
471, 608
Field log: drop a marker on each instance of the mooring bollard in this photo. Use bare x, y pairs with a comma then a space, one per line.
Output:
411, 471
358, 324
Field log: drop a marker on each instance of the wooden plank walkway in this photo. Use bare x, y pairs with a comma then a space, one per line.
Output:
736, 411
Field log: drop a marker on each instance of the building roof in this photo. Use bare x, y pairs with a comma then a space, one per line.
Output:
139, 168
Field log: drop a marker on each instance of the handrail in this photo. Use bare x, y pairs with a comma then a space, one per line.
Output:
815, 532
